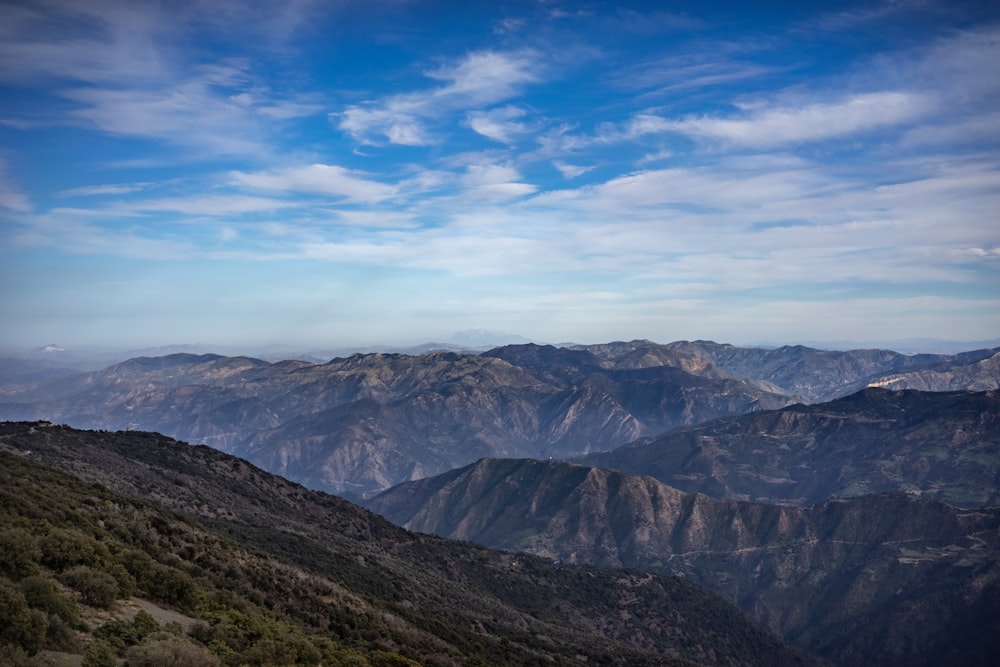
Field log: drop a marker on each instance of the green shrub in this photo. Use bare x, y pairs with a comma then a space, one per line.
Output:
14, 656
63, 548
20, 625
122, 634
19, 553
100, 653
385, 659
61, 636
42, 593
144, 624
175, 588
170, 652
96, 588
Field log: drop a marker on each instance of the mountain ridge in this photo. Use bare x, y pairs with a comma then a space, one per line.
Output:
942, 444
444, 409
854, 581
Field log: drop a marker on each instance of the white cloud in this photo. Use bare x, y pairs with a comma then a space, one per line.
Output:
498, 124
370, 220
570, 170
100, 190
495, 182
204, 205
479, 79
771, 127
318, 178
11, 197
205, 113
398, 127
95, 42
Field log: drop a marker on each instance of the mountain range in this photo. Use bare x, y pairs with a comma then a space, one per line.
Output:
358, 425
853, 516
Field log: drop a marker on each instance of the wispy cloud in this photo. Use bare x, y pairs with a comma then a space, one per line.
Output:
111, 42
479, 79
771, 127
321, 179
212, 112
120, 64
104, 190
570, 170
502, 125
11, 196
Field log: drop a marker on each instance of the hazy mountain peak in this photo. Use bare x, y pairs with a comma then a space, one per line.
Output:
484, 338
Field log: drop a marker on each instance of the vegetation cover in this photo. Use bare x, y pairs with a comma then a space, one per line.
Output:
310, 579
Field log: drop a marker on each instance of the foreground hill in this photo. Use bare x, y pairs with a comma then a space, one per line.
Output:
357, 425
877, 580
945, 445
275, 574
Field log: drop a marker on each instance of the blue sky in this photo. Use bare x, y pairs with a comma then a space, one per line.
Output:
351, 173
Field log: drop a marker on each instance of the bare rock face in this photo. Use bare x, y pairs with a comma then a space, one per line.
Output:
885, 579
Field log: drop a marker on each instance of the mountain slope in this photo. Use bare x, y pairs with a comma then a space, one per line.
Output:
888, 580
358, 425
945, 445
434, 600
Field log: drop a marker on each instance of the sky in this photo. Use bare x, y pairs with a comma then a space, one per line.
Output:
341, 173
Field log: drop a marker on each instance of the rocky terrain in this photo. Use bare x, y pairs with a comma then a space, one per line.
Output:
944, 445
273, 573
884, 579
358, 425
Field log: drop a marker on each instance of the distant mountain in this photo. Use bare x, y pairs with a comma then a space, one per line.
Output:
979, 375
360, 424
819, 375
274, 573
484, 339
944, 445
879, 580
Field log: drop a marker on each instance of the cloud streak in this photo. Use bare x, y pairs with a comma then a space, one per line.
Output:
477, 80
